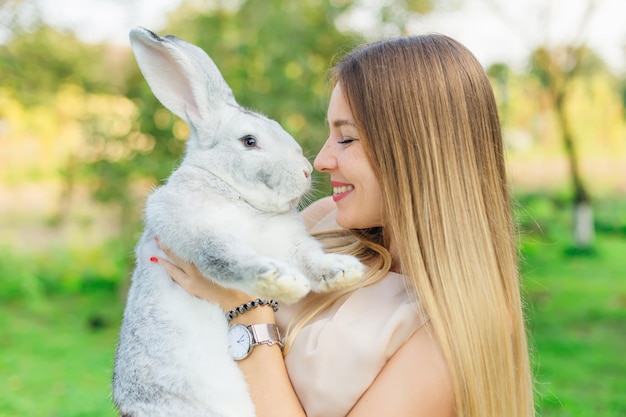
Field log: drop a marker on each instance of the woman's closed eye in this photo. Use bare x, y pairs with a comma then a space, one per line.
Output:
347, 140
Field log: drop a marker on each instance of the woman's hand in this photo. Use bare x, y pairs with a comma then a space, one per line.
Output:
264, 369
191, 279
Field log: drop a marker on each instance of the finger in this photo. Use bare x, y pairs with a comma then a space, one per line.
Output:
176, 260
189, 279
187, 268
175, 272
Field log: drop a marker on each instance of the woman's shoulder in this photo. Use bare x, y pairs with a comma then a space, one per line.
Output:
320, 212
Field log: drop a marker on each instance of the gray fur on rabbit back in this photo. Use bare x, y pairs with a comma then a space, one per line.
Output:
230, 208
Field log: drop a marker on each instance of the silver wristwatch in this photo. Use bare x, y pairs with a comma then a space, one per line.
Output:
241, 339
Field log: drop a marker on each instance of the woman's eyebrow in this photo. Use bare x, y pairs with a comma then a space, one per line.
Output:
341, 122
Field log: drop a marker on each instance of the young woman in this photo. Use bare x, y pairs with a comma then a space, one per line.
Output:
436, 327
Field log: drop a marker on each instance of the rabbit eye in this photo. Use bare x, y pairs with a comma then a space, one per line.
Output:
249, 141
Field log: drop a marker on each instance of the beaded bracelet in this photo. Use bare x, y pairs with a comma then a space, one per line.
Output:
249, 306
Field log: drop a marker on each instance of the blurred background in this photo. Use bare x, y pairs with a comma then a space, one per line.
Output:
83, 141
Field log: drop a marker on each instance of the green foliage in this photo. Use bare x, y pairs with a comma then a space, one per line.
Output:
611, 216
545, 217
66, 60
34, 276
554, 66
20, 278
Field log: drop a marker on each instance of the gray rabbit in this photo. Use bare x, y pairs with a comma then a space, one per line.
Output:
230, 208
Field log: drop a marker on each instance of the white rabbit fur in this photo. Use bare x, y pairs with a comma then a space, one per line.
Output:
231, 210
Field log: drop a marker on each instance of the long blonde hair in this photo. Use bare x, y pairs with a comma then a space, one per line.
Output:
428, 120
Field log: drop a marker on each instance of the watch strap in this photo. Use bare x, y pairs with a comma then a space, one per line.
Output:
265, 334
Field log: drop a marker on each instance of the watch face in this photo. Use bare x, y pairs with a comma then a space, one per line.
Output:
239, 341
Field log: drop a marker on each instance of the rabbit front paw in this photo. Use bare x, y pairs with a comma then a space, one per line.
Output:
337, 272
282, 283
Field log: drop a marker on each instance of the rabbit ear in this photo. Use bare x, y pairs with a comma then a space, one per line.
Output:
181, 75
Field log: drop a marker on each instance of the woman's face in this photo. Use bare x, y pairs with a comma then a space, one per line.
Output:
355, 188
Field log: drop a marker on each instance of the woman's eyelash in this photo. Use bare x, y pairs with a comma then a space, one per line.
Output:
345, 141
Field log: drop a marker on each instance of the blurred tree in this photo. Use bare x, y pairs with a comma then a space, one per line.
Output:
44, 72
16, 16
395, 17
500, 74
556, 68
35, 61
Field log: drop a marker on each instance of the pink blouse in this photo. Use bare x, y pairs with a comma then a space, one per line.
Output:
337, 356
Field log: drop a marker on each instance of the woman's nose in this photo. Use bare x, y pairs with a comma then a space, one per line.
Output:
325, 160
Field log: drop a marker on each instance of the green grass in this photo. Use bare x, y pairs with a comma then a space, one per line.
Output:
577, 318
57, 342
56, 357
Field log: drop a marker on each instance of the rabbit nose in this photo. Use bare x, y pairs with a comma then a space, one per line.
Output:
307, 173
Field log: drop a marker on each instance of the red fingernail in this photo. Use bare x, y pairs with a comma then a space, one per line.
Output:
156, 238
154, 259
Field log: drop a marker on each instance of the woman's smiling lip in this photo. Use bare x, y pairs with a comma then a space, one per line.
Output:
340, 190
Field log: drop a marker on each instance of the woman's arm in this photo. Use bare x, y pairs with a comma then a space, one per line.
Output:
266, 374
264, 369
415, 382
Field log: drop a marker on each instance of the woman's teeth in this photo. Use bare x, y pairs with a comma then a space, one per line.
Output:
342, 189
